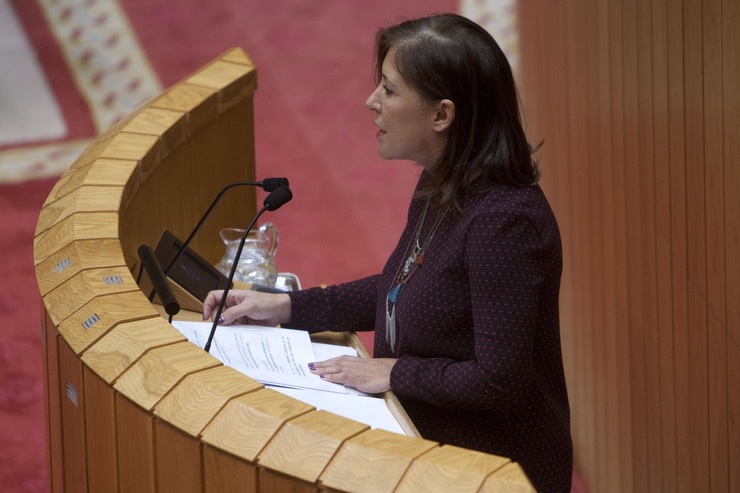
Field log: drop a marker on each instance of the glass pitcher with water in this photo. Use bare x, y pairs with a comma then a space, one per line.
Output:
257, 261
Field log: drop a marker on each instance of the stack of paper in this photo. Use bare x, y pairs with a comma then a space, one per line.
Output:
279, 358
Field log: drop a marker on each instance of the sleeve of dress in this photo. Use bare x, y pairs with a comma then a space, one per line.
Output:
348, 306
504, 262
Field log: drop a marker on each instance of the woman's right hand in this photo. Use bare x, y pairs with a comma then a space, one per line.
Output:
248, 307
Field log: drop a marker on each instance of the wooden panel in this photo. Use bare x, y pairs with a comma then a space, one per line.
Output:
247, 423
200, 103
697, 255
733, 377
99, 225
86, 325
305, 445
100, 428
225, 473
118, 349
731, 147
178, 460
171, 127
664, 378
374, 461
75, 257
51, 340
72, 393
641, 100
450, 469
84, 287
717, 417
192, 404
159, 370
270, 481
134, 447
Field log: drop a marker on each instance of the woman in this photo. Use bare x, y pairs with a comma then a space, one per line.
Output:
466, 309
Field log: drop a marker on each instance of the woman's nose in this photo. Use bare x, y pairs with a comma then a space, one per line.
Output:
372, 102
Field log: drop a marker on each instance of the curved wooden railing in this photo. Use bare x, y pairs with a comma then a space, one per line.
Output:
132, 405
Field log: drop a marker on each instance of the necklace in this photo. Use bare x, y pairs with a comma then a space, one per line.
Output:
406, 270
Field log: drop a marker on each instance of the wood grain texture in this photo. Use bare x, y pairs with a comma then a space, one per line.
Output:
74, 257
160, 369
247, 423
638, 105
91, 321
450, 468
374, 461
304, 446
122, 346
198, 398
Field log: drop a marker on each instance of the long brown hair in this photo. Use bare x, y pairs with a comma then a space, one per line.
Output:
448, 56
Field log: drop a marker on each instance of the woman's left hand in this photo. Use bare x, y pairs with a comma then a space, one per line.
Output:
370, 375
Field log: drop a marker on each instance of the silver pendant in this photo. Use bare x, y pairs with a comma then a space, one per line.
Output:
390, 325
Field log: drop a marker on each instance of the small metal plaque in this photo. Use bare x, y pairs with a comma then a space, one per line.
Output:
62, 265
113, 280
90, 321
72, 393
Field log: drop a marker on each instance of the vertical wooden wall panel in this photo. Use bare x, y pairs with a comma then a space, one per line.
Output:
135, 448
100, 427
647, 247
715, 245
639, 106
54, 405
622, 392
608, 410
73, 419
731, 148
663, 308
679, 250
633, 238
696, 224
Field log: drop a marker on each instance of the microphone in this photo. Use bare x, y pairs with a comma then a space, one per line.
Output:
268, 185
276, 199
159, 281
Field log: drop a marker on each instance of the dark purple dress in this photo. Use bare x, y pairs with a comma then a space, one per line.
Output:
478, 335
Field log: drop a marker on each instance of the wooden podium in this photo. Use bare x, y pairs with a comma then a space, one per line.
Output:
132, 406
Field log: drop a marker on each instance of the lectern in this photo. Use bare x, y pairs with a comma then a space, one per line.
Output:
131, 405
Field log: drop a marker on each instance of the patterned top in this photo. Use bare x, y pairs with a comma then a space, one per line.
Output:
478, 335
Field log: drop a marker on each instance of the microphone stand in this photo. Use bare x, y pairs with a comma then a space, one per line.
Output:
269, 205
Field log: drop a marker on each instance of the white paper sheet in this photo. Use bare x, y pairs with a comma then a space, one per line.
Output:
269, 355
371, 411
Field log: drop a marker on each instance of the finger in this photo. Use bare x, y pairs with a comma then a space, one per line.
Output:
333, 377
212, 299
332, 365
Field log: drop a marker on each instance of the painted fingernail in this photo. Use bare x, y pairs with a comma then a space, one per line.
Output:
322, 376
221, 320
312, 366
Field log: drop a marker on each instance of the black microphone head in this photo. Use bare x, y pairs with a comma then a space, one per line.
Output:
270, 184
277, 198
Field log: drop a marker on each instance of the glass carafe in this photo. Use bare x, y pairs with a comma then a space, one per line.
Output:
257, 261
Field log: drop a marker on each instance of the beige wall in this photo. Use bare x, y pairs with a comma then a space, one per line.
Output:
638, 102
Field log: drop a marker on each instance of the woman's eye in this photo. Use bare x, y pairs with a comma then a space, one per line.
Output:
386, 90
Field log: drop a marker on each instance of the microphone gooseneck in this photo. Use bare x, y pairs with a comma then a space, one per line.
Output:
276, 199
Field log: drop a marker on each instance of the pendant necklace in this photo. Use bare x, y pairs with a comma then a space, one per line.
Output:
406, 270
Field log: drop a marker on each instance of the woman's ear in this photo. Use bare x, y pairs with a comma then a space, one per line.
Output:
444, 116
